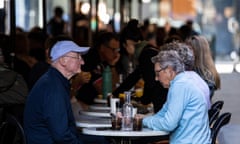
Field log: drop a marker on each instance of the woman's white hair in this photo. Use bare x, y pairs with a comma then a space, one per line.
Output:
169, 58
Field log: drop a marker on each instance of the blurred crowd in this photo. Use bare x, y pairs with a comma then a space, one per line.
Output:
127, 53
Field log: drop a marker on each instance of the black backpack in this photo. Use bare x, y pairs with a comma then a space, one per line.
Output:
13, 88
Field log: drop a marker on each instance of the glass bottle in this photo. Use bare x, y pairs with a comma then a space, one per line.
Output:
127, 121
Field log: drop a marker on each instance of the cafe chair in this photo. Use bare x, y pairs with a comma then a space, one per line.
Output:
214, 111
222, 120
217, 105
2, 130
12, 131
213, 115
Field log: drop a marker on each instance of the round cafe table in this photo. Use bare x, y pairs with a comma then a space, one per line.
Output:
96, 113
89, 121
100, 101
123, 137
99, 107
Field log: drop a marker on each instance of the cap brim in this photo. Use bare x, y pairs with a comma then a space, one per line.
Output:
82, 50
63, 47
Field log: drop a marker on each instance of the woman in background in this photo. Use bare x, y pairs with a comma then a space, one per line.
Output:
204, 64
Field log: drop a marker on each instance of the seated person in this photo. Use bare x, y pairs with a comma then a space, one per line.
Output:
204, 64
153, 92
48, 116
104, 53
185, 113
188, 58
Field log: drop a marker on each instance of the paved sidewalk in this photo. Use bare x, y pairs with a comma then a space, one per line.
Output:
230, 94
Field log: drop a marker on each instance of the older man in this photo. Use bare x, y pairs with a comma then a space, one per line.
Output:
185, 113
48, 115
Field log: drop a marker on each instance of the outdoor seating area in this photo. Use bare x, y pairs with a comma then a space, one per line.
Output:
119, 71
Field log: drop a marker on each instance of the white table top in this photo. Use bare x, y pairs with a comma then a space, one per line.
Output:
99, 107
89, 121
108, 132
96, 113
90, 125
97, 100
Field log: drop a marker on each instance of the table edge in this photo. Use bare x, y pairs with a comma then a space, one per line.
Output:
92, 131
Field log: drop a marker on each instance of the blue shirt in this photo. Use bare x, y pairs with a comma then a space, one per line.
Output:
48, 116
185, 113
202, 85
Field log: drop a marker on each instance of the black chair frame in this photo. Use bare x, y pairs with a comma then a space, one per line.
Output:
213, 115
12, 131
217, 105
219, 123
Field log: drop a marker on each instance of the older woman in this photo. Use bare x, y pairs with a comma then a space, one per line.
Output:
185, 113
188, 58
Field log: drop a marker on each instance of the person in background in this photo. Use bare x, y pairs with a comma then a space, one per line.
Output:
130, 36
185, 113
153, 92
48, 116
187, 30
23, 62
204, 64
81, 26
37, 38
57, 25
104, 53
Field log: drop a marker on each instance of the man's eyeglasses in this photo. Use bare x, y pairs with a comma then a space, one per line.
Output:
113, 49
77, 57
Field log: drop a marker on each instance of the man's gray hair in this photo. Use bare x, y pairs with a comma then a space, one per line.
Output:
169, 58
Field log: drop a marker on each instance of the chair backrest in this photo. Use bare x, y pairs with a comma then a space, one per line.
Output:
2, 130
13, 132
218, 105
219, 123
213, 115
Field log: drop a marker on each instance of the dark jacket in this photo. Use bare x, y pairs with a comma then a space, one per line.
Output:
153, 90
48, 116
